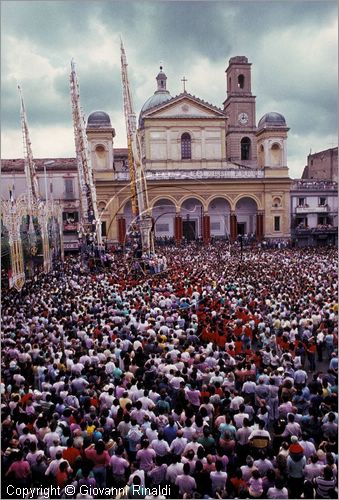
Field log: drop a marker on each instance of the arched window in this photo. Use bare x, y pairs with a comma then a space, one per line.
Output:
245, 148
261, 156
101, 156
276, 155
186, 150
241, 81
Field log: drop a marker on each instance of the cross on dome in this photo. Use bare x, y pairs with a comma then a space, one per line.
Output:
184, 80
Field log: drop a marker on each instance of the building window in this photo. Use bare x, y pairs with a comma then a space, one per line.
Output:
322, 201
277, 223
302, 222
186, 150
70, 217
103, 228
322, 220
276, 202
69, 185
276, 155
245, 148
101, 156
69, 189
301, 202
241, 81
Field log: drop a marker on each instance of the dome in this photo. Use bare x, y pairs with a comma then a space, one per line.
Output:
160, 96
157, 98
99, 119
272, 119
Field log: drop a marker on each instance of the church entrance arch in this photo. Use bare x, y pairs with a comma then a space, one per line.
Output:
189, 229
192, 213
219, 211
163, 214
246, 213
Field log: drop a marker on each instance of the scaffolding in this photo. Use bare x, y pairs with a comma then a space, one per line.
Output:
138, 185
89, 215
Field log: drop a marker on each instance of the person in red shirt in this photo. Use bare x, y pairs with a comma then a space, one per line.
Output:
238, 346
311, 349
62, 476
238, 329
71, 453
238, 484
101, 459
221, 339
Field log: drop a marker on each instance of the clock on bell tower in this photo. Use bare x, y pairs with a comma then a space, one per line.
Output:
239, 108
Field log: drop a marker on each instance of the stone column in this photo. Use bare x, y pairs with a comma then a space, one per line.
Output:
121, 230
260, 226
233, 226
178, 230
206, 229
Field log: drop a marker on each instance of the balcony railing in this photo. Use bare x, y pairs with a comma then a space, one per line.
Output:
196, 174
321, 229
320, 209
314, 185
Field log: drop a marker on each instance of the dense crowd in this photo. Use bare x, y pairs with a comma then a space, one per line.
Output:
215, 378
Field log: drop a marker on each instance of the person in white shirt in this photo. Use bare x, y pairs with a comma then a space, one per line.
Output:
260, 433
292, 428
218, 478
239, 417
236, 401
178, 444
248, 469
309, 448
174, 469
160, 446
313, 468
186, 483
278, 490
53, 467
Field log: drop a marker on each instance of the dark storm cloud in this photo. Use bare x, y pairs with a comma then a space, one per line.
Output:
180, 34
105, 81
259, 18
49, 24
41, 109
176, 30
108, 94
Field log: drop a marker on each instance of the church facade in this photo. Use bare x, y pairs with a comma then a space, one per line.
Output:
211, 172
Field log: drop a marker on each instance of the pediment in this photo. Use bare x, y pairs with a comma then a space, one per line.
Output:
185, 106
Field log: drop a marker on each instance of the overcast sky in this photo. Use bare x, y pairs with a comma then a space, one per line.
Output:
292, 47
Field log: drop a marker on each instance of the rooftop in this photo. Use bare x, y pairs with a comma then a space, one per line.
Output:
18, 164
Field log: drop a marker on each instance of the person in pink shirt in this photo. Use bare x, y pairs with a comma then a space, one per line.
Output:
119, 466
193, 395
255, 485
146, 456
101, 459
20, 470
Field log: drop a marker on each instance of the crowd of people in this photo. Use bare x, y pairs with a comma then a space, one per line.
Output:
216, 378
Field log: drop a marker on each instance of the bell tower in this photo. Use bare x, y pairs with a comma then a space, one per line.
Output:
100, 135
239, 107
